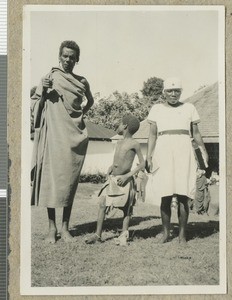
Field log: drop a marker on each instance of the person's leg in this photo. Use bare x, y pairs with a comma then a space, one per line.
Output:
101, 216
165, 210
65, 234
143, 195
139, 196
126, 219
51, 237
183, 213
143, 190
122, 239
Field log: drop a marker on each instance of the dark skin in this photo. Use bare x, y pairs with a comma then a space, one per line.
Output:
68, 59
125, 153
172, 97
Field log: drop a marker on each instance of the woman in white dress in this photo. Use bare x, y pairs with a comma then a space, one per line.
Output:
169, 144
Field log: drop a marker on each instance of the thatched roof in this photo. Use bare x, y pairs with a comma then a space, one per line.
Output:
206, 103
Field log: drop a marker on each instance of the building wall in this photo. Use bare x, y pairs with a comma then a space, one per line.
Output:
99, 157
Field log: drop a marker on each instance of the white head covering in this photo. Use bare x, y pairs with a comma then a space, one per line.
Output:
172, 83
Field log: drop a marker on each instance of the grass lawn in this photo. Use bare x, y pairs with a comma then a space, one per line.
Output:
143, 262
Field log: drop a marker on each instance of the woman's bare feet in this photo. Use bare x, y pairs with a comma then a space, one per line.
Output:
66, 236
165, 238
183, 241
51, 236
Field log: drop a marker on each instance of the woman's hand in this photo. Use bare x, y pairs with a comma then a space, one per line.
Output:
148, 165
198, 139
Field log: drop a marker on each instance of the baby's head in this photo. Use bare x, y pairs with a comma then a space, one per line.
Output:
132, 123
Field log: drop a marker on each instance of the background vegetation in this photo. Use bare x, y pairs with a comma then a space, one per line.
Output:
109, 111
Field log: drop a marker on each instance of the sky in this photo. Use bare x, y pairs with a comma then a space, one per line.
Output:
120, 50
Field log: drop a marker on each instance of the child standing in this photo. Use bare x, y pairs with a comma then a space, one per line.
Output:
119, 190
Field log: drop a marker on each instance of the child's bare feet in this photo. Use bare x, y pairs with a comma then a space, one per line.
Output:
66, 236
122, 239
51, 236
164, 238
93, 239
182, 241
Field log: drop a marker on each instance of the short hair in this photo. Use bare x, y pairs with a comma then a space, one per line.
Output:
71, 45
132, 122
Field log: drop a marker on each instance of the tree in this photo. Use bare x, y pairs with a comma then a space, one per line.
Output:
152, 88
109, 111
142, 107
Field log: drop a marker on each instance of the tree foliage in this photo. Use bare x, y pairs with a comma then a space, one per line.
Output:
152, 88
109, 111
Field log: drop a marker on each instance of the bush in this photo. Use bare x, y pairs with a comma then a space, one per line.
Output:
93, 178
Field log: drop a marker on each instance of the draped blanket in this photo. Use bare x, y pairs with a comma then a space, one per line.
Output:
60, 141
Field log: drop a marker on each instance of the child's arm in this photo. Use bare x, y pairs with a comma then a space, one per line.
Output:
123, 178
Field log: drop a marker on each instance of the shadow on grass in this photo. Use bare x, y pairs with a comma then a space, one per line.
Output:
194, 229
202, 229
114, 224
197, 229
146, 233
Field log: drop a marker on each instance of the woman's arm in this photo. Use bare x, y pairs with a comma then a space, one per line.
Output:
198, 139
151, 145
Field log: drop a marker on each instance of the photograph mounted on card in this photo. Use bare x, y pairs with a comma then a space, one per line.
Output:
113, 202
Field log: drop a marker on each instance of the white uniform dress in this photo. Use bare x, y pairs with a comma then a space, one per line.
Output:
174, 152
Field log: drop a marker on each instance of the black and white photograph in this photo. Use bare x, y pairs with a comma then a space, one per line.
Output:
123, 185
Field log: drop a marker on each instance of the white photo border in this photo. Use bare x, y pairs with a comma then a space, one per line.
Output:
25, 250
